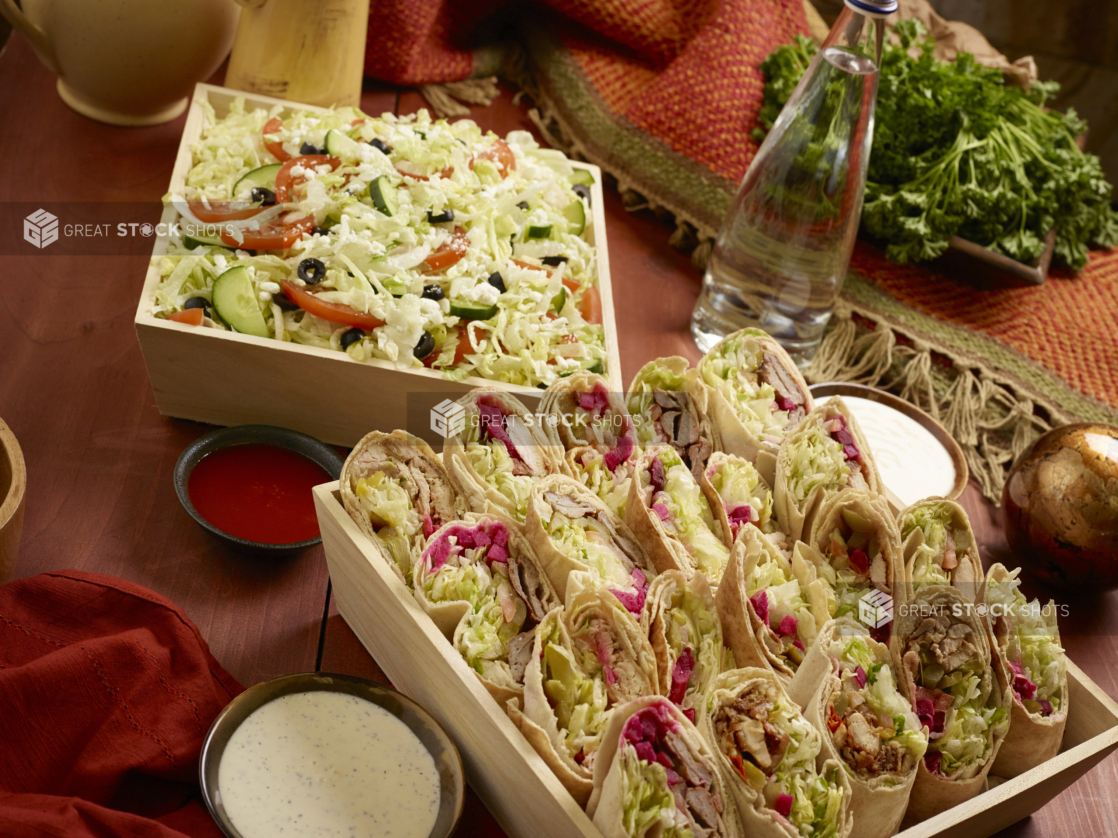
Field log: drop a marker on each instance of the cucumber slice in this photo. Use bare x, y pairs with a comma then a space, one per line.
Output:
582, 176
559, 300
472, 311
264, 176
339, 145
204, 241
234, 300
541, 231
575, 214
384, 196
594, 367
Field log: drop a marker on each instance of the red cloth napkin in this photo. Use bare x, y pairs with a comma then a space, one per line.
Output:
106, 692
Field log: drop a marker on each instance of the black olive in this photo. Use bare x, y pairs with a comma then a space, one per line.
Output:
381, 146
320, 231
541, 386
284, 303
433, 292
442, 217
554, 261
198, 302
425, 346
497, 281
351, 337
583, 191
523, 205
312, 271
307, 148
260, 195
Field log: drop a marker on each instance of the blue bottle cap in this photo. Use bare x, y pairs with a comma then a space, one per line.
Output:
877, 8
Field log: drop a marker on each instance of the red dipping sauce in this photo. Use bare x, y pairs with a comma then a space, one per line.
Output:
258, 492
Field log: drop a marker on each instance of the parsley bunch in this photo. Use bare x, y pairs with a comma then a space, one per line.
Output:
956, 152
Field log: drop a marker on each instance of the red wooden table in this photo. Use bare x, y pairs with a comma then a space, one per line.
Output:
74, 390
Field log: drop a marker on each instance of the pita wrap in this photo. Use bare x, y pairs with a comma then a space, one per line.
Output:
737, 495
480, 583
607, 639
770, 608
940, 548
944, 651
581, 544
654, 772
1028, 639
581, 410
588, 466
669, 408
755, 396
826, 454
681, 622
769, 757
396, 490
499, 454
856, 540
848, 690
669, 514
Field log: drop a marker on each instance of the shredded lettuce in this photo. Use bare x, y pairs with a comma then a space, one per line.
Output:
935, 521
689, 515
579, 700
731, 369
817, 460
738, 483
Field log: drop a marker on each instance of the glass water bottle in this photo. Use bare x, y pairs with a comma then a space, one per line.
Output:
783, 250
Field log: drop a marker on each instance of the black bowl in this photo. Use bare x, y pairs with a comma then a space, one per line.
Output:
307, 446
448, 762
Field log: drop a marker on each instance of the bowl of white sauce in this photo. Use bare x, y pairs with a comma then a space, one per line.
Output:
915, 455
322, 755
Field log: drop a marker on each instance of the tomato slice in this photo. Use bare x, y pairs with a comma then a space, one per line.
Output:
271, 127
272, 237
221, 211
189, 316
285, 181
334, 312
591, 306
500, 154
460, 350
450, 252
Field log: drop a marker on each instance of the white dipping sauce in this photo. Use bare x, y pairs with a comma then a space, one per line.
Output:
327, 764
912, 462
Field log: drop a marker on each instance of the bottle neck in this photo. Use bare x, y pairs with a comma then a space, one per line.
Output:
858, 33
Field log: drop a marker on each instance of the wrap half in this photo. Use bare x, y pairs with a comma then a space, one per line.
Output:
588, 465
500, 453
668, 513
856, 540
1028, 638
738, 496
770, 608
681, 622
655, 776
769, 756
397, 492
848, 690
669, 408
958, 688
826, 453
940, 548
479, 581
756, 396
581, 410
607, 639
581, 544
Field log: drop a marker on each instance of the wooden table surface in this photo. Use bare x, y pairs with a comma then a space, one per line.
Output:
74, 390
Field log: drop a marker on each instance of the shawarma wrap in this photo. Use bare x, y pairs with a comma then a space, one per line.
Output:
581, 544
940, 548
768, 754
738, 496
606, 637
396, 490
848, 690
479, 581
958, 688
1028, 638
581, 410
669, 408
858, 546
681, 622
756, 396
656, 776
770, 608
826, 453
499, 454
670, 516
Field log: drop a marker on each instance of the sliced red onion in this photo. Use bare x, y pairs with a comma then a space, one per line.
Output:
661, 511
925, 711
645, 751
785, 403
681, 674
656, 475
690, 714
860, 560
783, 805
492, 420
1046, 707
931, 761
428, 526
860, 676
938, 720
788, 626
760, 602
616, 456
798, 645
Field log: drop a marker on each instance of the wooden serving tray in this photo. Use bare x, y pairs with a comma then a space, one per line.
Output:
515, 784
226, 378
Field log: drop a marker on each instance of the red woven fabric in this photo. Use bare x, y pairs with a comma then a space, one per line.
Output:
106, 692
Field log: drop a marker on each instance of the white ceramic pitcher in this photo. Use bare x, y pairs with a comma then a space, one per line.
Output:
127, 62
